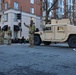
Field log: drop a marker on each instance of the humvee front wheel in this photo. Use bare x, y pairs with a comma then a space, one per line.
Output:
37, 40
46, 43
72, 42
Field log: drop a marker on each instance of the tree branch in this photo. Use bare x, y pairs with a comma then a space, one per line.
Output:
54, 4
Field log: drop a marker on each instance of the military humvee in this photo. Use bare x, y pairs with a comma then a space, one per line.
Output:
57, 33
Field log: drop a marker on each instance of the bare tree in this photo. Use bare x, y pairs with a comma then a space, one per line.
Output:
69, 13
52, 7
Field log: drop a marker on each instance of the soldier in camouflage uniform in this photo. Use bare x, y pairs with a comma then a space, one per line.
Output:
9, 35
1, 37
31, 33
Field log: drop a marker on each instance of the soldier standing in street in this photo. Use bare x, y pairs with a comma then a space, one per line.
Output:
1, 37
9, 35
31, 33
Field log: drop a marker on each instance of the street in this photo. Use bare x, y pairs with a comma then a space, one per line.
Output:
19, 59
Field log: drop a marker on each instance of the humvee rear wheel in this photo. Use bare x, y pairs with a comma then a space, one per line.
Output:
37, 40
46, 43
72, 41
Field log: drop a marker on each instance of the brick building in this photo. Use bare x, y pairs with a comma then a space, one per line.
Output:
27, 8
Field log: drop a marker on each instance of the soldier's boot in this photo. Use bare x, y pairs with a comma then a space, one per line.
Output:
31, 45
30, 42
2, 42
9, 42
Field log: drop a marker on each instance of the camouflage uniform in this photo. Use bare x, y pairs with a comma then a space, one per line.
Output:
9, 35
31, 33
1, 37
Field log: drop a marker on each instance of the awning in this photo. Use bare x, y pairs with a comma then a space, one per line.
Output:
5, 28
16, 28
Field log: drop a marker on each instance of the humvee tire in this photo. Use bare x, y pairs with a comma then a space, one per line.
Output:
72, 42
37, 40
47, 43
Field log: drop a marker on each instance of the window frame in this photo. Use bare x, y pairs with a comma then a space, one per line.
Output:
6, 6
61, 28
0, 17
6, 17
16, 7
32, 1
32, 10
15, 17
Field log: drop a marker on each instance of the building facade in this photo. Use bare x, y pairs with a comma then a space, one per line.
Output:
27, 8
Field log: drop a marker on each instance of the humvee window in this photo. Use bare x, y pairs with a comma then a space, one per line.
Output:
60, 28
48, 28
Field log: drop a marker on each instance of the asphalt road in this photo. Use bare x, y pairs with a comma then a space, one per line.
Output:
19, 59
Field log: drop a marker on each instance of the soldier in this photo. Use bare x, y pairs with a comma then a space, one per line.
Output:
31, 33
9, 35
1, 37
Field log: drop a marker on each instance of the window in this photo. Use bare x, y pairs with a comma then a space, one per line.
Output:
50, 14
69, 2
60, 10
15, 34
15, 5
51, 1
15, 18
0, 4
0, 7
32, 10
6, 6
0, 18
48, 28
60, 28
6, 17
0, 1
32, 1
